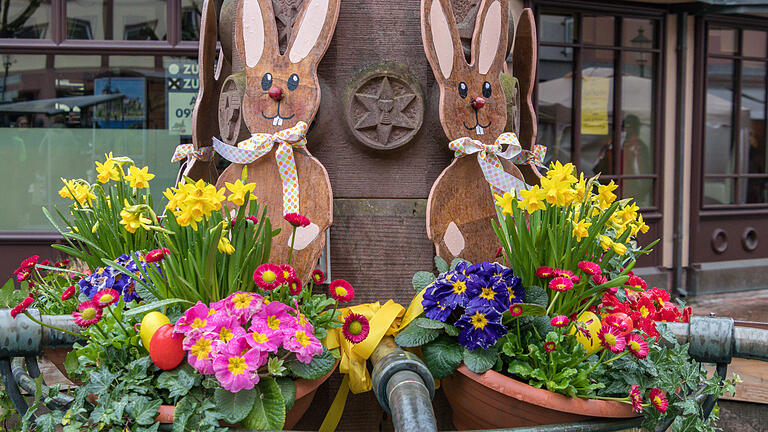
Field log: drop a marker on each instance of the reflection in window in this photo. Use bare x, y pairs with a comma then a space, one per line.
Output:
190, 19
25, 19
55, 122
116, 19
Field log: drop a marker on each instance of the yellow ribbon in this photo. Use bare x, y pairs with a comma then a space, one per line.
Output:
383, 320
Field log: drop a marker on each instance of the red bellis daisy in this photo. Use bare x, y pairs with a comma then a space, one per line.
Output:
294, 286
355, 328
268, 276
288, 271
22, 307
560, 321
590, 268
87, 314
636, 397
296, 220
637, 346
106, 297
155, 255
561, 283
318, 276
658, 399
341, 290
611, 338
549, 346
68, 293
516, 310
544, 272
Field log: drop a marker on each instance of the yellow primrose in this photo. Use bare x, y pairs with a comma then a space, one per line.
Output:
139, 178
239, 190
606, 243
580, 229
619, 248
533, 200
605, 194
505, 202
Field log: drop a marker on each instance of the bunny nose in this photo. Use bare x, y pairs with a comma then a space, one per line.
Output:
276, 93
478, 103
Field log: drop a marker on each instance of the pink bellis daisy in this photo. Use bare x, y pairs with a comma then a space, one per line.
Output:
516, 310
560, 321
658, 399
611, 338
318, 276
68, 293
355, 328
561, 283
341, 290
637, 346
155, 255
296, 220
544, 272
235, 366
106, 297
22, 307
590, 268
288, 271
87, 314
268, 276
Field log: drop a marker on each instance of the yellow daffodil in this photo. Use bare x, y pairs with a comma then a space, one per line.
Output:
630, 213
109, 170
606, 243
239, 190
139, 177
191, 202
132, 218
83, 194
225, 246
557, 192
580, 229
619, 248
67, 189
504, 202
533, 199
605, 194
639, 226
560, 172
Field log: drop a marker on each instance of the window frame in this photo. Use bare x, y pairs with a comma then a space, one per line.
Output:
739, 24
619, 12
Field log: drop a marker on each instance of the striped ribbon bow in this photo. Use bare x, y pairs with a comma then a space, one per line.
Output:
187, 151
260, 144
536, 156
488, 157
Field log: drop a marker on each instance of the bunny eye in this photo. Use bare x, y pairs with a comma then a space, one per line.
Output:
463, 89
266, 81
486, 89
293, 82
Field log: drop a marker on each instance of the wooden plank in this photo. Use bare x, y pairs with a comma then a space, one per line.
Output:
754, 387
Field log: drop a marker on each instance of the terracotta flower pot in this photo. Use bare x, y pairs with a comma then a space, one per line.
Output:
494, 401
305, 393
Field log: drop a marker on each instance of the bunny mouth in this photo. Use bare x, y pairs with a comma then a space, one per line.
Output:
478, 128
277, 119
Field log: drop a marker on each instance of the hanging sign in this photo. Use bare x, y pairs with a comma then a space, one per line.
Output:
595, 94
181, 83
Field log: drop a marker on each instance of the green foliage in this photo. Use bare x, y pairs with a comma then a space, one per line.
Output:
421, 280
441, 265
442, 356
320, 365
268, 412
479, 361
414, 335
235, 407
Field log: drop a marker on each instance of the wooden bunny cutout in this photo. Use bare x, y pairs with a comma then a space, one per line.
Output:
473, 114
281, 99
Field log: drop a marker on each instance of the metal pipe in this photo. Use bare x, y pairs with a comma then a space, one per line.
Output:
718, 340
677, 235
588, 426
23, 337
404, 387
27, 383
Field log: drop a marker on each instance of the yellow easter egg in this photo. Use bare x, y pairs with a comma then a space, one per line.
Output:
587, 326
149, 325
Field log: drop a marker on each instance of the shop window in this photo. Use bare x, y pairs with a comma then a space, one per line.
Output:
735, 159
583, 111
23, 19
62, 112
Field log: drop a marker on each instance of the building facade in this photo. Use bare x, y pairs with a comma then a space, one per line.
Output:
667, 99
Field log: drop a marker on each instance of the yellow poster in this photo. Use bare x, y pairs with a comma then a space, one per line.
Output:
595, 92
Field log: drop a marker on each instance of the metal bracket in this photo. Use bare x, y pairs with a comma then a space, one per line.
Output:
711, 339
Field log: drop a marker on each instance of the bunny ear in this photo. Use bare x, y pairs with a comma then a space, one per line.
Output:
313, 31
489, 41
440, 36
255, 30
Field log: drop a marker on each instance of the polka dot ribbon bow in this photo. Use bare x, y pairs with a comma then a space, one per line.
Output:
535, 156
488, 157
260, 144
187, 151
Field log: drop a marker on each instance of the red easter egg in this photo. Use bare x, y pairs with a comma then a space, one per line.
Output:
166, 349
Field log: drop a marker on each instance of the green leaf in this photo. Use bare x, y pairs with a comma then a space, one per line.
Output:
268, 412
100, 381
288, 389
49, 422
234, 407
70, 362
441, 265
137, 369
536, 295
532, 309
427, 323
413, 336
185, 409
178, 383
442, 356
422, 280
320, 365
144, 410
451, 330
479, 360
154, 305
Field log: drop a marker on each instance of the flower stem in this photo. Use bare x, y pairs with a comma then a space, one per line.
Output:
118, 321
616, 357
600, 360
53, 327
617, 399
552, 302
293, 239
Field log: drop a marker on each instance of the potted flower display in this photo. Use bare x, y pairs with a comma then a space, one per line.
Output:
183, 318
561, 330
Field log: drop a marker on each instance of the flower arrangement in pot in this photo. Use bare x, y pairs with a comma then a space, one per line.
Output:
562, 330
193, 327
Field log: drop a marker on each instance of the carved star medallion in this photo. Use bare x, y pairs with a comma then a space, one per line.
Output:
385, 110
